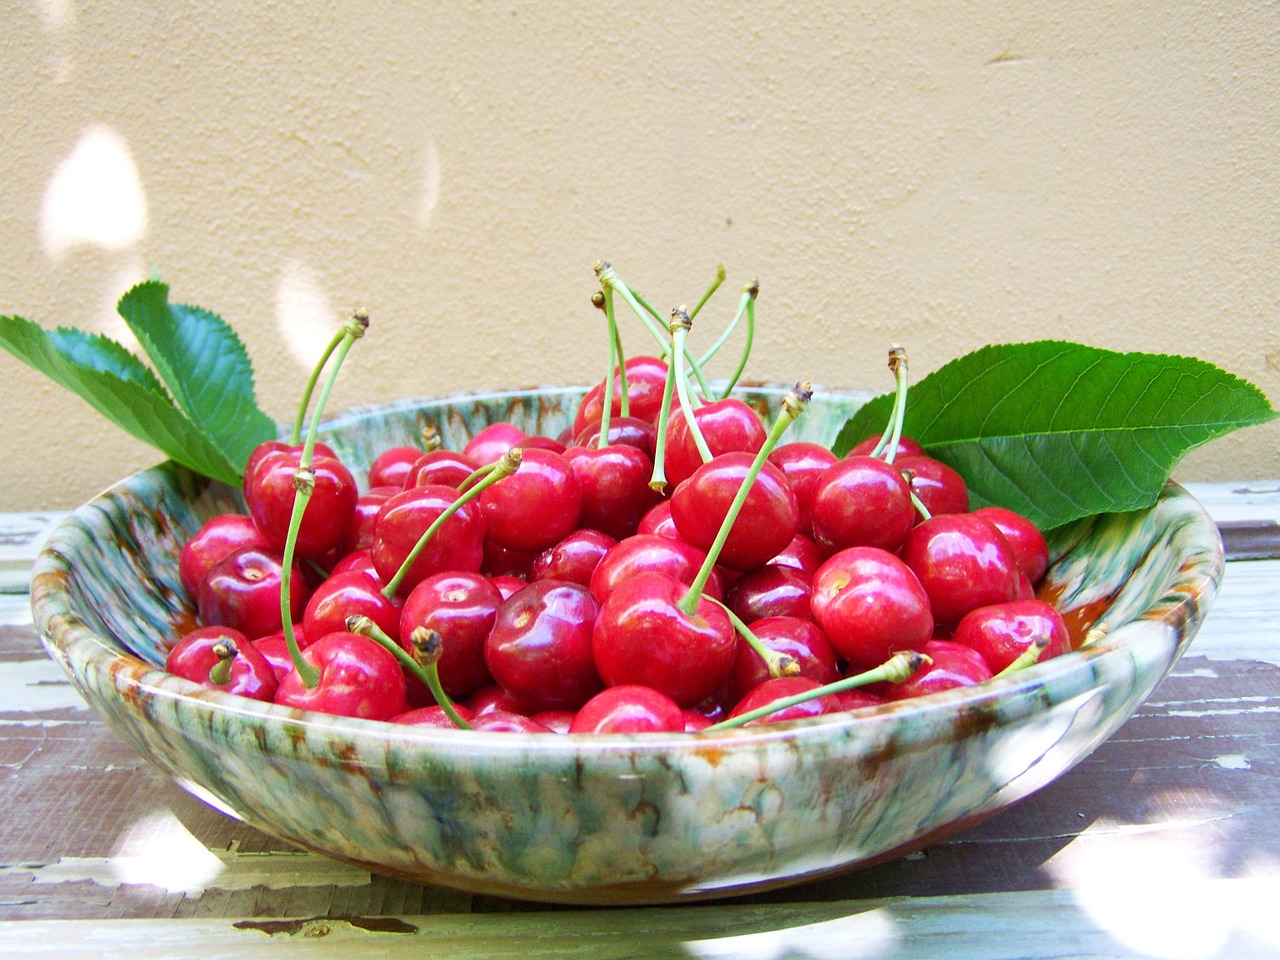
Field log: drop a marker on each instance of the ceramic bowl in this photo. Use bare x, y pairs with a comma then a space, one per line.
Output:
618, 819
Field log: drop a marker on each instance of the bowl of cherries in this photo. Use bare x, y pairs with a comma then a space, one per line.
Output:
536, 644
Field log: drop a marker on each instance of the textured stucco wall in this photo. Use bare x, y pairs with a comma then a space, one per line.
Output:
942, 175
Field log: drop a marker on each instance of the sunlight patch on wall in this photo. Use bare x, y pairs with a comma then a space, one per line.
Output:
94, 198
430, 185
305, 317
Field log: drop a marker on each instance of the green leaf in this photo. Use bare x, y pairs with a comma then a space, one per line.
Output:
1059, 431
117, 385
205, 367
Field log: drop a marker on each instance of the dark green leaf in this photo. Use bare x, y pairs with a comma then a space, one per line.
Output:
119, 387
1059, 431
204, 365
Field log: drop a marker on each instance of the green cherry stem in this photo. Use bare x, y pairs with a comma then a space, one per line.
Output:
793, 405
887, 446
898, 668
506, 465
295, 435
429, 675
749, 295
727, 332
304, 484
680, 324
428, 645
715, 285
225, 650
658, 480
615, 364
779, 664
1028, 657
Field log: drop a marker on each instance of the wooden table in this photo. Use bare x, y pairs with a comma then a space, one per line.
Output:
1164, 843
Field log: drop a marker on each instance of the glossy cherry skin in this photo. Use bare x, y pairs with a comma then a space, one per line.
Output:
629, 431
646, 381
457, 545
491, 442
793, 636
779, 688
460, 606
870, 604
557, 721
359, 532
629, 708
802, 463
242, 590
251, 674
356, 560
768, 521
508, 586
540, 647
940, 488
646, 553
358, 678
727, 426
574, 558
432, 716
391, 467
963, 562
1025, 539
1003, 632
770, 591
657, 522
643, 637
802, 555
217, 537
954, 665
264, 449
343, 595
906, 447
275, 650
862, 502
328, 512
501, 721
445, 467
490, 698
535, 507
614, 481
501, 561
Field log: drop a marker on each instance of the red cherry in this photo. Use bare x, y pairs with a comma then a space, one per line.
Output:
444, 467
870, 604
629, 431
275, 649
248, 673
356, 560
963, 562
242, 590
1025, 539
954, 665
490, 698
327, 514
508, 586
629, 708
779, 688
802, 463
651, 554
727, 426
614, 481
500, 721
906, 447
797, 638
764, 528
574, 558
557, 721
359, 532
770, 591
802, 555
391, 467
358, 678
542, 443
536, 506
461, 607
500, 561
457, 545
432, 716
343, 595
1003, 632
540, 647
262, 450
646, 382
491, 442
937, 486
217, 537
658, 522
862, 502
642, 636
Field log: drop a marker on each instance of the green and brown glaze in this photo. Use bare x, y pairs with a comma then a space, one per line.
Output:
617, 819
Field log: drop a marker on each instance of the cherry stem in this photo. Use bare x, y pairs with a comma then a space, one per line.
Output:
1029, 656
476, 475
898, 668
295, 435
226, 651
430, 676
680, 324
658, 479
793, 405
915, 500
428, 646
727, 332
508, 464
715, 285
888, 443
304, 484
779, 664
431, 439
615, 363
751, 293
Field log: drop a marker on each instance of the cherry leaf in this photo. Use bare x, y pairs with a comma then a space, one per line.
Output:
1059, 431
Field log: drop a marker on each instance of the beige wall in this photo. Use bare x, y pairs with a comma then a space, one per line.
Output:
941, 174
